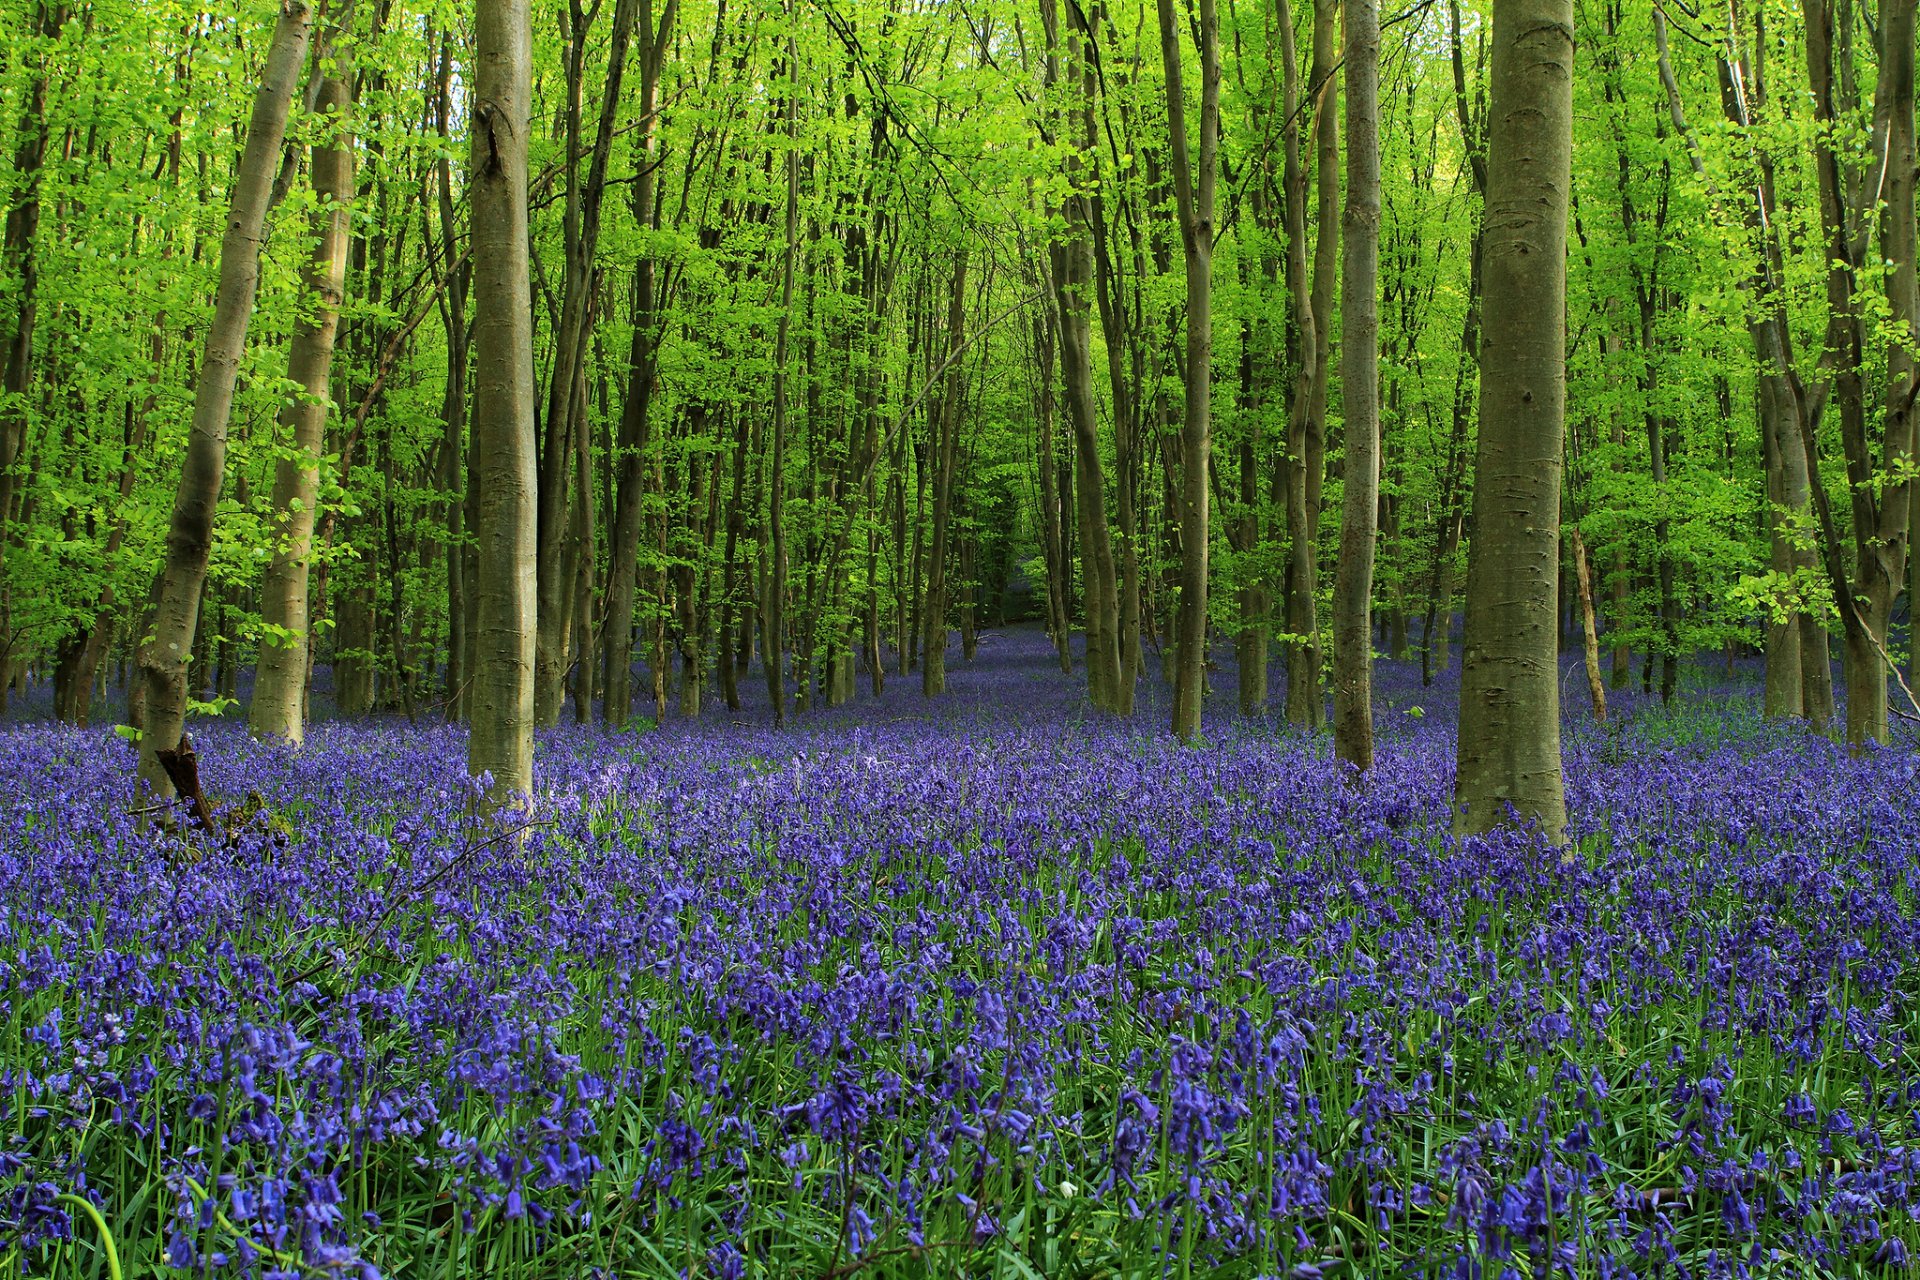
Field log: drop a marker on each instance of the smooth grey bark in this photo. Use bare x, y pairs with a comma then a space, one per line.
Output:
1509, 746
279, 691
500, 738
164, 656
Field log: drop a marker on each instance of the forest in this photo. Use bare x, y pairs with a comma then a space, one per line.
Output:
1110, 639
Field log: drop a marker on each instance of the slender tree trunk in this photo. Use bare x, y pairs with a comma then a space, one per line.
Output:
773, 609
163, 660
631, 441
1193, 188
1306, 440
453, 454
1059, 620
933, 666
559, 526
1072, 275
1359, 379
1880, 562
1589, 632
280, 678
1509, 748
500, 743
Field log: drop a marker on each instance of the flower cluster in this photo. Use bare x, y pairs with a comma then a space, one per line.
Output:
899, 992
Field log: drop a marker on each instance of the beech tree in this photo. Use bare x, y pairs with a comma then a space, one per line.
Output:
500, 742
1509, 754
177, 593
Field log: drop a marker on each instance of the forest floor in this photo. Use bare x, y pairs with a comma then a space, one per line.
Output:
992, 988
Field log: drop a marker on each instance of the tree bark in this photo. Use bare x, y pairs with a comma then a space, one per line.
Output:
500, 742
616, 702
163, 659
933, 644
280, 675
560, 528
1359, 380
1306, 432
1193, 190
1509, 746
1590, 635
1072, 272
773, 609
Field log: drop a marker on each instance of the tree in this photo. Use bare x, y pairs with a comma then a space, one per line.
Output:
500, 742
1359, 379
280, 680
1509, 749
177, 592
1193, 186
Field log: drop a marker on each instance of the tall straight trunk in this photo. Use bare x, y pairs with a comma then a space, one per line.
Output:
453, 453
1590, 635
1193, 192
1438, 629
1880, 561
933, 668
1306, 445
163, 659
1805, 660
1053, 546
504, 471
280, 679
584, 560
560, 528
1880, 513
773, 609
1882, 549
630, 442
688, 571
1250, 640
1782, 696
1360, 388
730, 669
1072, 271
1509, 746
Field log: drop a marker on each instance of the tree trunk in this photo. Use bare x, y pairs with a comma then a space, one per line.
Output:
1072, 279
500, 742
933, 644
163, 659
1509, 747
280, 677
1590, 635
1193, 189
1359, 380
1306, 439
1880, 561
633, 474
773, 609
453, 454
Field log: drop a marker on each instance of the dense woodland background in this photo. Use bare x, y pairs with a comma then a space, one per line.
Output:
853, 322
